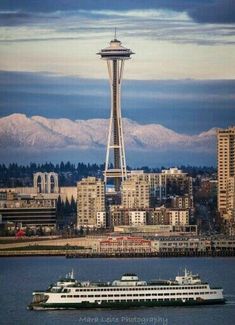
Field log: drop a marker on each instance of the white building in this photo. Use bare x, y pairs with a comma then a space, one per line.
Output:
101, 219
178, 217
137, 218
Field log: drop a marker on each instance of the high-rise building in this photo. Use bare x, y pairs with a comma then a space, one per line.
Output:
166, 184
90, 203
230, 198
135, 194
226, 167
115, 55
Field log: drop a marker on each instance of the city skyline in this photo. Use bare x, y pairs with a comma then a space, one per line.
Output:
182, 77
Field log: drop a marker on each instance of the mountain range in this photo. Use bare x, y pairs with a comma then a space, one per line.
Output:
40, 133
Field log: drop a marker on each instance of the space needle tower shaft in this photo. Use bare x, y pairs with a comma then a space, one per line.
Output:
115, 165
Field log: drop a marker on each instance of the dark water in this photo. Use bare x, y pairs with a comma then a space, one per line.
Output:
20, 276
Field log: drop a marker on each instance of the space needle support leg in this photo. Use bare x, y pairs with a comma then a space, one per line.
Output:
122, 148
110, 123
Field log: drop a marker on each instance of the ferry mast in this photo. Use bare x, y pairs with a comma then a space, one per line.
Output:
115, 55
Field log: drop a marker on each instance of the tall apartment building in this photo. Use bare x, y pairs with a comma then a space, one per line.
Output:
168, 183
135, 194
230, 198
90, 202
226, 168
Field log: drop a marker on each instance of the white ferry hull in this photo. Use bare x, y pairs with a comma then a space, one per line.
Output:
125, 304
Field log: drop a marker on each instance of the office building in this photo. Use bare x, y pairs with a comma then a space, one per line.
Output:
27, 210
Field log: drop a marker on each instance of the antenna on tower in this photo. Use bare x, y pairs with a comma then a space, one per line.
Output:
115, 33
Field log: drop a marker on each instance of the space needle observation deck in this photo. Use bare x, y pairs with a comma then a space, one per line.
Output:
115, 55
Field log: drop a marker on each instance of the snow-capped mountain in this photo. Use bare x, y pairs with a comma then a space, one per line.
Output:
39, 133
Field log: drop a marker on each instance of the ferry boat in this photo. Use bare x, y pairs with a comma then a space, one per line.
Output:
129, 291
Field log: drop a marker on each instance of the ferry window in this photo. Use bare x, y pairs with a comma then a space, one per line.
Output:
83, 296
76, 296
172, 294
90, 296
123, 295
70, 296
63, 296
160, 294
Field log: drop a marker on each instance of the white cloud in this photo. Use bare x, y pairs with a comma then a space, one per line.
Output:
168, 44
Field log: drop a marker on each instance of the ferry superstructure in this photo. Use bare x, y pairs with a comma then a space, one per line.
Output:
129, 291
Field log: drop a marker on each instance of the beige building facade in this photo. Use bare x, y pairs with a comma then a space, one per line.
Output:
226, 169
90, 201
135, 194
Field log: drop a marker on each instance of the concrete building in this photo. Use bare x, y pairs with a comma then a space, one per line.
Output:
177, 183
135, 194
181, 202
46, 182
90, 201
27, 210
157, 184
226, 167
167, 184
119, 215
158, 216
101, 219
178, 217
230, 199
137, 218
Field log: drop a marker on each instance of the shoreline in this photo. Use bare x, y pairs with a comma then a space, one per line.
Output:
70, 255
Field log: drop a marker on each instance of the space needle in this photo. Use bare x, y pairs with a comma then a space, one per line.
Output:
115, 55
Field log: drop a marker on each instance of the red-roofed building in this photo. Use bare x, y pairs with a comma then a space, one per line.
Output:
125, 245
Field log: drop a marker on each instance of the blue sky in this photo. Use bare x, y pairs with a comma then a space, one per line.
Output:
182, 75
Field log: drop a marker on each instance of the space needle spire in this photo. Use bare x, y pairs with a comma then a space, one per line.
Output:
115, 55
